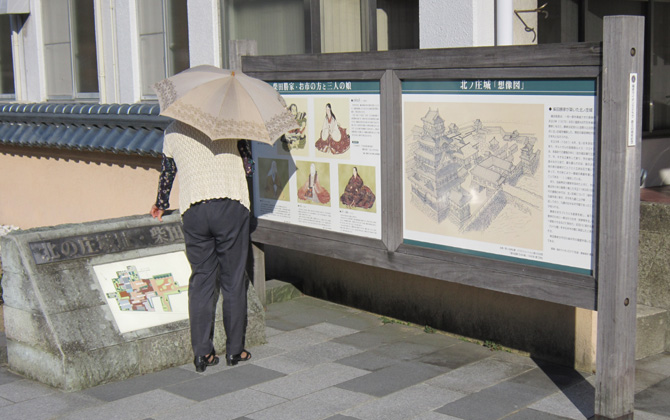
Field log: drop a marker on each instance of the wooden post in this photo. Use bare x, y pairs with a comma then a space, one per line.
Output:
620, 152
238, 48
258, 276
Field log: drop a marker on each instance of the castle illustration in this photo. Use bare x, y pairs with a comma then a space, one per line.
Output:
468, 174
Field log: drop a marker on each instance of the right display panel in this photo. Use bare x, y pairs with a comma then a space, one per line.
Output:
502, 168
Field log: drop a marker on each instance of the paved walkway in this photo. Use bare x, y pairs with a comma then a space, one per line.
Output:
327, 361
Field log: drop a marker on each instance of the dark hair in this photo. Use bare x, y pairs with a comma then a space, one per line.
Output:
331, 110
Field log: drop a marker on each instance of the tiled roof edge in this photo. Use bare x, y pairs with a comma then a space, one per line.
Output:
122, 115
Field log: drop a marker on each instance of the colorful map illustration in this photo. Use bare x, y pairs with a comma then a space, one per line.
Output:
146, 292
133, 293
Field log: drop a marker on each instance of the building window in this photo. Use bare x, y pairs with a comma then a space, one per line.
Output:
582, 21
163, 31
6, 61
278, 26
69, 49
283, 27
397, 24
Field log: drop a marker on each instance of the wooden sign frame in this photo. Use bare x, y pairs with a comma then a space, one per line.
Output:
616, 65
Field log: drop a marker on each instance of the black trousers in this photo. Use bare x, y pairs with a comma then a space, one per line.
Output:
216, 234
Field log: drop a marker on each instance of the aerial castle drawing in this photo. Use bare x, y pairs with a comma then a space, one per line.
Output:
468, 174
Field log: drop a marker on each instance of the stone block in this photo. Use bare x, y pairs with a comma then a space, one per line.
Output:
655, 217
652, 327
60, 329
280, 291
654, 269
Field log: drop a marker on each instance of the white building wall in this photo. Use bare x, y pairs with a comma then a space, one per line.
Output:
126, 52
471, 23
32, 53
204, 33
456, 23
105, 33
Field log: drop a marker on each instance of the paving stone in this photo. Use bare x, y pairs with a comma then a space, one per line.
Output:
283, 363
360, 321
645, 379
550, 377
655, 399
48, 407
296, 339
378, 336
405, 350
282, 325
7, 377
404, 404
494, 402
643, 415
658, 363
139, 384
318, 405
457, 355
4, 402
304, 358
23, 390
529, 414
141, 405
341, 417
436, 339
269, 331
478, 375
235, 405
303, 313
576, 402
332, 330
368, 360
310, 380
257, 353
221, 383
392, 379
431, 415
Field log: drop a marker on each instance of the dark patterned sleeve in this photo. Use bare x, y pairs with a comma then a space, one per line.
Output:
168, 173
245, 151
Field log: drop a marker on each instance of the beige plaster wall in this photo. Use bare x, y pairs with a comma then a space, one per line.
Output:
40, 188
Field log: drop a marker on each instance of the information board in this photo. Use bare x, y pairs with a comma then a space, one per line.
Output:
325, 174
501, 168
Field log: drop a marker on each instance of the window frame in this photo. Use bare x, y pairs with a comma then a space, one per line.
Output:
76, 94
151, 96
313, 35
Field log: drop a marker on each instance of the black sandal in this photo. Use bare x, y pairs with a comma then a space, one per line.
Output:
233, 359
201, 362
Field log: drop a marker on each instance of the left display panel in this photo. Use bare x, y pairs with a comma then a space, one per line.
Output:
325, 174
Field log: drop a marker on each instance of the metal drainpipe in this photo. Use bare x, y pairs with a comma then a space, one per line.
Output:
504, 20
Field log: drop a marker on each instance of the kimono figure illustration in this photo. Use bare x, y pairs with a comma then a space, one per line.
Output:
296, 138
333, 137
272, 187
356, 193
312, 189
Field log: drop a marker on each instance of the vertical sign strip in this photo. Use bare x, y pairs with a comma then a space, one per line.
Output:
632, 109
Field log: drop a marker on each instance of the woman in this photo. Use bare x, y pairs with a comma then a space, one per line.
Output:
312, 190
356, 193
333, 137
272, 187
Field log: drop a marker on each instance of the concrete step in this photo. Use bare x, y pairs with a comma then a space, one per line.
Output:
653, 331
